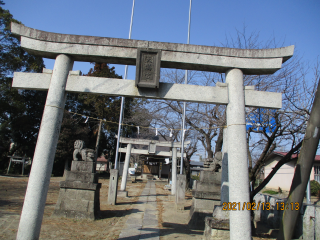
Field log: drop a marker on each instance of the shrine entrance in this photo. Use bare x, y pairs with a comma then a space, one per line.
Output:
68, 48
153, 158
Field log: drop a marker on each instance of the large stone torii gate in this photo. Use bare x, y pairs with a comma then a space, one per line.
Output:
68, 48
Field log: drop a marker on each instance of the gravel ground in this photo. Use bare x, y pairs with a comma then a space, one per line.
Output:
108, 226
172, 224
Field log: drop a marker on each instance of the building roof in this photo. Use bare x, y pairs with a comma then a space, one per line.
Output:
196, 163
294, 156
102, 159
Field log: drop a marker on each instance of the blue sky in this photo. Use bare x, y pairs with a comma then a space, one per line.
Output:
291, 22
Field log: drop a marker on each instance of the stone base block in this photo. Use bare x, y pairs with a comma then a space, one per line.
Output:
172, 198
113, 187
150, 177
82, 166
205, 204
200, 209
179, 206
80, 185
219, 213
216, 229
206, 194
82, 177
78, 203
122, 194
133, 179
210, 176
197, 218
73, 214
180, 191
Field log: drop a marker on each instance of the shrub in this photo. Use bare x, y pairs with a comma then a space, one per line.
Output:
195, 177
270, 192
314, 187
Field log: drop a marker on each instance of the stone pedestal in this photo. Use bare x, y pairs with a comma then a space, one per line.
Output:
180, 192
113, 187
79, 195
133, 178
122, 193
206, 194
217, 226
216, 229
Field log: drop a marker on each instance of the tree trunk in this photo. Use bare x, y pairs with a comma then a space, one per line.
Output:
219, 141
210, 153
187, 168
302, 171
209, 147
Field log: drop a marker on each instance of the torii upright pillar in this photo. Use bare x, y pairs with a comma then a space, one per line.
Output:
237, 156
39, 179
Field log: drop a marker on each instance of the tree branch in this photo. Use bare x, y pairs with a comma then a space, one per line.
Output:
284, 160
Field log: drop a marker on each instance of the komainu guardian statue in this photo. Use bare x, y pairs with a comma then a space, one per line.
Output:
87, 154
213, 164
81, 181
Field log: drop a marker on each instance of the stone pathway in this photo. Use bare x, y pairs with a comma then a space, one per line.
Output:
143, 221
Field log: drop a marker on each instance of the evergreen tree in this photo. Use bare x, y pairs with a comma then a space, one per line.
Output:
20, 110
96, 106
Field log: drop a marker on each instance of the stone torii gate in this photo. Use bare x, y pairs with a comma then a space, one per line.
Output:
152, 151
68, 48
113, 193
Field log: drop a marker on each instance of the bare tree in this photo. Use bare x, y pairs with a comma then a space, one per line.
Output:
271, 129
203, 121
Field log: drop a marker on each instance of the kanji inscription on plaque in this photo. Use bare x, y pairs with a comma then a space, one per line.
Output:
148, 68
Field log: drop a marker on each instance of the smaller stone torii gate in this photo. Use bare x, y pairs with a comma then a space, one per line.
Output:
151, 151
67, 48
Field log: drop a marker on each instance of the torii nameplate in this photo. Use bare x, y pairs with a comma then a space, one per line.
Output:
148, 68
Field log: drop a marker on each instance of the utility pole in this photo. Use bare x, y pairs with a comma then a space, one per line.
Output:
123, 99
184, 103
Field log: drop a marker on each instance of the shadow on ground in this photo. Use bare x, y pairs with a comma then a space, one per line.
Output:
129, 203
176, 228
152, 233
104, 214
264, 231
